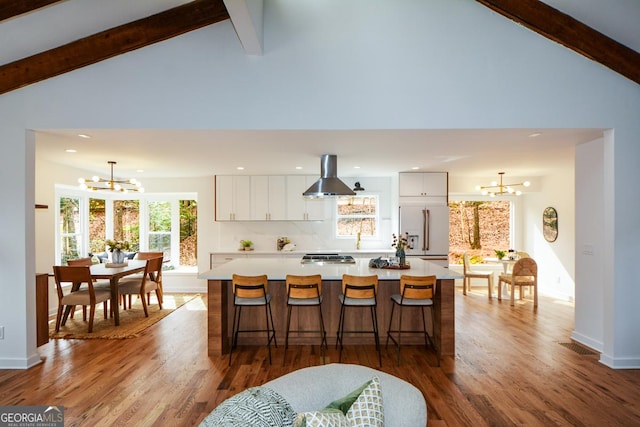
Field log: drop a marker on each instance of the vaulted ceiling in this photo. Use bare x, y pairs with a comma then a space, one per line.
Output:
52, 37
166, 19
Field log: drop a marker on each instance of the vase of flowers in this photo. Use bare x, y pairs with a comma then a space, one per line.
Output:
116, 247
402, 242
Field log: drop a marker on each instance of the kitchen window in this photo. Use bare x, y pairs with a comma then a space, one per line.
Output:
357, 215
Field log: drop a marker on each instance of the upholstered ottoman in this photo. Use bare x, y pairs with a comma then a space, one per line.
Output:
313, 388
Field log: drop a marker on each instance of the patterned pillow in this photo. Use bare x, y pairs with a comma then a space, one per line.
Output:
324, 418
367, 410
361, 407
256, 407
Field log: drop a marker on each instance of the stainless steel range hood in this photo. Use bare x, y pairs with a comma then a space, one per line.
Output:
328, 184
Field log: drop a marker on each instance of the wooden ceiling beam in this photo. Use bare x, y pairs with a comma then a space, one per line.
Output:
112, 42
571, 33
12, 8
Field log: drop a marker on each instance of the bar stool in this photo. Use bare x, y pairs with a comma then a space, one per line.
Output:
304, 291
415, 291
251, 291
358, 291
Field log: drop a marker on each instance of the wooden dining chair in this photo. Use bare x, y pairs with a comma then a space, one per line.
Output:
523, 274
146, 256
470, 273
359, 292
143, 286
97, 284
90, 296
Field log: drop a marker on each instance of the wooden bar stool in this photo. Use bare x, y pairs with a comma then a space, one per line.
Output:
304, 291
415, 291
358, 291
251, 291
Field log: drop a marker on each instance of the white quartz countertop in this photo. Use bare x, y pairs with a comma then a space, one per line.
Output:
278, 268
313, 251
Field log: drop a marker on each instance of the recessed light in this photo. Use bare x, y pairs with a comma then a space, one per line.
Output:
71, 150
84, 135
298, 167
240, 168
356, 167
140, 170
534, 135
415, 168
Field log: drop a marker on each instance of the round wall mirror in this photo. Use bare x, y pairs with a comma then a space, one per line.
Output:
550, 224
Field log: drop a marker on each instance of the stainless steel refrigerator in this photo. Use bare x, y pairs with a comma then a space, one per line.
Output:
428, 228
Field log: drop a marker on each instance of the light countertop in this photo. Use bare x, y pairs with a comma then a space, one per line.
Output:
312, 251
278, 268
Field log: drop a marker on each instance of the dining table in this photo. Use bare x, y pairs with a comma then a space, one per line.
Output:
113, 273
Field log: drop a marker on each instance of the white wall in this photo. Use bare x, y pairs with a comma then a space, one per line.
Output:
590, 245
450, 64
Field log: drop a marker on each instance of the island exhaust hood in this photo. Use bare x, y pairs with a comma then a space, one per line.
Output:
329, 184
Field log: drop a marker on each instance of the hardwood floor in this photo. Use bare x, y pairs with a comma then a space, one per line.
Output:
510, 369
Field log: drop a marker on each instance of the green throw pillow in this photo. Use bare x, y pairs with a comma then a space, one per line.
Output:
362, 407
344, 403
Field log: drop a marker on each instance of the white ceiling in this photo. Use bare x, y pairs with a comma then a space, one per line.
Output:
468, 153
204, 153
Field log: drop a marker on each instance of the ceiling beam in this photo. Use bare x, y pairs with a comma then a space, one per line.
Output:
246, 17
571, 33
111, 42
12, 8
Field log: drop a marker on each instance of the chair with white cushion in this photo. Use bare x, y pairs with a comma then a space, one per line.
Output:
469, 274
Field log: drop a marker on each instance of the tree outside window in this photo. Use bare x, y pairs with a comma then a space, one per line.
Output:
478, 227
70, 229
357, 214
126, 222
160, 228
188, 232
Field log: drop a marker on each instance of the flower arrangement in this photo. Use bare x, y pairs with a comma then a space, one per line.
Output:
117, 245
500, 254
402, 242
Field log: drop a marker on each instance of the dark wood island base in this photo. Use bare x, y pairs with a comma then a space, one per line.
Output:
220, 316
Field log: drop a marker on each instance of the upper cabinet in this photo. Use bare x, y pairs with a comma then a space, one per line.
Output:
300, 208
268, 198
431, 187
232, 198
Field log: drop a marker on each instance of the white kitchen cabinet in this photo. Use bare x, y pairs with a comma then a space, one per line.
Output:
268, 198
219, 258
233, 202
434, 186
300, 208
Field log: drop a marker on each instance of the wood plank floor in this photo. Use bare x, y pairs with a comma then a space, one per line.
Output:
510, 369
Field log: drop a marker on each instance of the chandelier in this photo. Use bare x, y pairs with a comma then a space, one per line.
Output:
96, 183
501, 189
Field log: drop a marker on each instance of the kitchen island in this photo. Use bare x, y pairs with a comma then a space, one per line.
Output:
220, 301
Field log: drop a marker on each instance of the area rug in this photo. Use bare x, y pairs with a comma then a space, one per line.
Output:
132, 320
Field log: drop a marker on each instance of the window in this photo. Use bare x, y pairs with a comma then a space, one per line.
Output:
479, 227
152, 223
159, 234
97, 225
357, 214
70, 228
126, 222
188, 232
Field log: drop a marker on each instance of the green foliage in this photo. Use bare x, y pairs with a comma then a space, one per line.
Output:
500, 254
